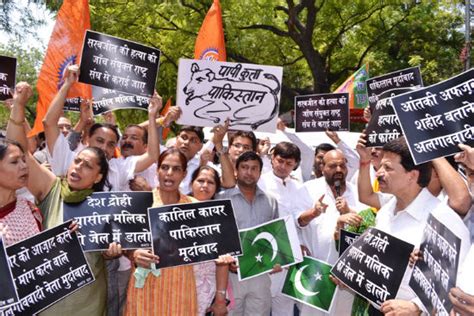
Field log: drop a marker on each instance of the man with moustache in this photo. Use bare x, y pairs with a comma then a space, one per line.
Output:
251, 207
324, 204
406, 213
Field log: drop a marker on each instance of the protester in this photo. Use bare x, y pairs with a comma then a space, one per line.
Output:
241, 142
319, 153
324, 204
87, 173
211, 282
21, 217
172, 291
103, 136
279, 184
252, 207
404, 214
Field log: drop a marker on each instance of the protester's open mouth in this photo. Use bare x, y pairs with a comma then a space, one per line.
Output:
74, 176
168, 183
125, 146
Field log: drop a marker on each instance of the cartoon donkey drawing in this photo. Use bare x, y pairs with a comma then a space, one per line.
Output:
233, 104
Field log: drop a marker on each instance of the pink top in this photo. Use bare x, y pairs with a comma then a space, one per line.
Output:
21, 223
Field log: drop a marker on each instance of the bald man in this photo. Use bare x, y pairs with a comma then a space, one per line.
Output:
323, 204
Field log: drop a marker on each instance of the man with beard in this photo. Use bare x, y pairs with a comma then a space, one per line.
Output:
324, 204
252, 207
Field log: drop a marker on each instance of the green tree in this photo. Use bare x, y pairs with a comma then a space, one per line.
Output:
319, 43
29, 62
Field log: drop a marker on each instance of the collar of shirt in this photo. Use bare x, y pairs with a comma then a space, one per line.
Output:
416, 207
236, 190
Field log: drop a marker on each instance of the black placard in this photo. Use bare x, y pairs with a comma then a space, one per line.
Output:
435, 274
106, 217
374, 265
117, 64
384, 126
405, 78
320, 112
438, 118
47, 267
7, 76
8, 293
346, 239
194, 232
106, 100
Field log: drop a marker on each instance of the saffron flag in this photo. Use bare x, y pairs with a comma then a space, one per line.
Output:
356, 87
166, 130
268, 244
210, 44
64, 49
308, 282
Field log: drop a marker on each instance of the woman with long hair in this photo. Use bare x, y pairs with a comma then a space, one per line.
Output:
87, 174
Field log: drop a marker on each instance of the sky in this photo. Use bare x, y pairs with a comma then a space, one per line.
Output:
43, 32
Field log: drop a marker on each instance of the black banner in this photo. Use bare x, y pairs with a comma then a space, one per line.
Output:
320, 112
374, 265
105, 217
346, 239
194, 232
106, 100
47, 267
384, 126
118, 64
8, 293
435, 274
438, 118
405, 78
7, 76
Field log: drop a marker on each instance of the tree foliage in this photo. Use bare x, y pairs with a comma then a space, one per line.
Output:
318, 42
29, 62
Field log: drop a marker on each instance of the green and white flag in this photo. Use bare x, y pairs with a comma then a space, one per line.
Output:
274, 242
308, 282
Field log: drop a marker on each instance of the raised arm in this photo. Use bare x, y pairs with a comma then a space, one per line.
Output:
50, 121
153, 145
459, 198
228, 177
40, 179
366, 192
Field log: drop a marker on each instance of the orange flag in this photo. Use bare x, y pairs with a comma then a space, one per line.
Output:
210, 44
64, 49
165, 110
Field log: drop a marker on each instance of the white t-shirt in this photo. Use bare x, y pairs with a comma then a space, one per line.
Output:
318, 235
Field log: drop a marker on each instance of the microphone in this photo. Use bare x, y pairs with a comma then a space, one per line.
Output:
337, 187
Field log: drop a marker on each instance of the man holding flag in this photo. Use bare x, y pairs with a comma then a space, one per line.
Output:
252, 207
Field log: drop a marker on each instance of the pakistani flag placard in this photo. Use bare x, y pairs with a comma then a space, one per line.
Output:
268, 244
308, 282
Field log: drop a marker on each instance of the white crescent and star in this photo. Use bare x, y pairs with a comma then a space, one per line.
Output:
271, 240
300, 286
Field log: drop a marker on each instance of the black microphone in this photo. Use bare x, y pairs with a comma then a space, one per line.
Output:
337, 187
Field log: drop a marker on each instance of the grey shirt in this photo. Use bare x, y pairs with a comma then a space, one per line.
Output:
263, 208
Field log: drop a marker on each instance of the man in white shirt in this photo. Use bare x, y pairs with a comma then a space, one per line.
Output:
189, 141
279, 184
405, 215
324, 204
103, 136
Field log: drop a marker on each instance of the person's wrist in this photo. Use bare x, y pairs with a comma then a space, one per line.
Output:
364, 163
